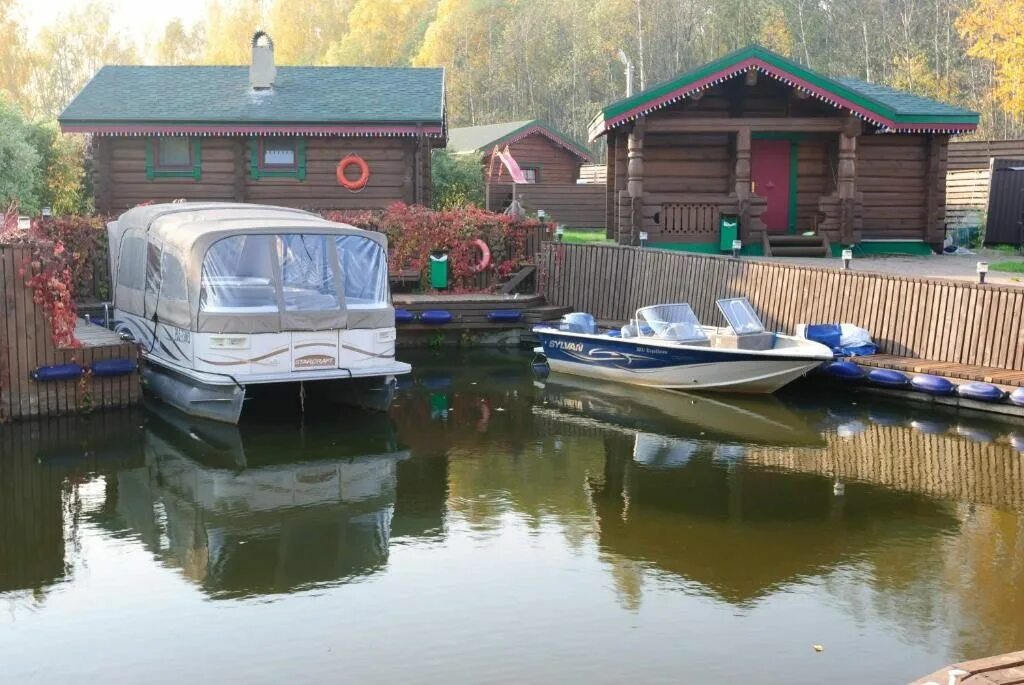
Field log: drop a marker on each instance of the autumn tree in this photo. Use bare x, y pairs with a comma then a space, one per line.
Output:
229, 27
382, 32
993, 29
304, 30
16, 60
180, 44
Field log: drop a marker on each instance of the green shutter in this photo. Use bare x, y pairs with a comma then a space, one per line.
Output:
197, 158
300, 151
254, 158
150, 175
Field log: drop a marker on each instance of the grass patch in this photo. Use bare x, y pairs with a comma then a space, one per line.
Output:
586, 236
1012, 267
1009, 250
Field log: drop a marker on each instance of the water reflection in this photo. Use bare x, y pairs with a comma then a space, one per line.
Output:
592, 518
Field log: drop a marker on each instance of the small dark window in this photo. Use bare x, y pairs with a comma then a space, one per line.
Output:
173, 153
531, 173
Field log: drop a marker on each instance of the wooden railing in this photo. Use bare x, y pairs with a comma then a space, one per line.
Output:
697, 220
950, 321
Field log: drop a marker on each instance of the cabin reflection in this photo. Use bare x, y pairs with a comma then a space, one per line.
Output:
744, 533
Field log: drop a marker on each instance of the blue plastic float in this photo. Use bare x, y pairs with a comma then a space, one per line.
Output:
1017, 397
888, 378
933, 385
403, 316
59, 372
436, 316
982, 392
847, 371
505, 315
107, 368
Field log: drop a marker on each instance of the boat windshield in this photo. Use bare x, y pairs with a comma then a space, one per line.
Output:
675, 322
741, 316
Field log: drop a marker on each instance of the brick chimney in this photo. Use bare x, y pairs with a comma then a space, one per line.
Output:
262, 71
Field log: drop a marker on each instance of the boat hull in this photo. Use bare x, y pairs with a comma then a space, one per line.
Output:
680, 368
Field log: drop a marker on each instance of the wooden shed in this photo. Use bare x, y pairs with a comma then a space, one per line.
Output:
550, 161
261, 133
784, 149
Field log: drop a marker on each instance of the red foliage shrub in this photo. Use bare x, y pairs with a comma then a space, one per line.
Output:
65, 255
414, 232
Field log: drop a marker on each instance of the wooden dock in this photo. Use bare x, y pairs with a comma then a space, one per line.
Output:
1005, 669
26, 344
470, 316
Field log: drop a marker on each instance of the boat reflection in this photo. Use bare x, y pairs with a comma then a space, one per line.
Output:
242, 513
661, 416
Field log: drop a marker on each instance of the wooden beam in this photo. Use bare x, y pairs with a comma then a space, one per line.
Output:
734, 124
847, 187
635, 182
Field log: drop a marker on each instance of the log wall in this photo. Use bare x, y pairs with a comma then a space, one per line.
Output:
555, 164
399, 172
26, 344
570, 204
942, 320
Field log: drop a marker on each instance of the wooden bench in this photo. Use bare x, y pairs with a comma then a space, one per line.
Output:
987, 374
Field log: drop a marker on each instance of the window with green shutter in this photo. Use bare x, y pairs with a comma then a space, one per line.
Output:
174, 157
273, 157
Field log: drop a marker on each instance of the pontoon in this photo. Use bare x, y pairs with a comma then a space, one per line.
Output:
666, 346
224, 298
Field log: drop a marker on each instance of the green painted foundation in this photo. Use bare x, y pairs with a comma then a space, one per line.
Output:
863, 249
892, 247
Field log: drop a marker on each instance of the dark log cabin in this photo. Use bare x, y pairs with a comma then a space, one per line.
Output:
785, 150
547, 157
261, 133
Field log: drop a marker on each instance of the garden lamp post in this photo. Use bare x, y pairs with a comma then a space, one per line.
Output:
982, 270
847, 258
737, 245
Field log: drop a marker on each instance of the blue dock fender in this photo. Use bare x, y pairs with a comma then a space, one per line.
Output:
1017, 397
59, 372
403, 316
847, 371
436, 316
982, 392
888, 378
106, 368
933, 385
504, 315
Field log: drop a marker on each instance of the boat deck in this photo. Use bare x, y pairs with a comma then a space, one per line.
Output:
94, 335
1004, 669
470, 311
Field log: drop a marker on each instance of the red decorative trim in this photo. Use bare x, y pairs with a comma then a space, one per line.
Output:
251, 129
786, 77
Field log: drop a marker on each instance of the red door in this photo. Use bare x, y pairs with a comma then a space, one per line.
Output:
769, 171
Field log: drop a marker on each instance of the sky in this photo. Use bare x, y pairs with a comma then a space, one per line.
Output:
129, 15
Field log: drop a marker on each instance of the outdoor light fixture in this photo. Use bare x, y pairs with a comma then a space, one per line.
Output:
737, 245
847, 257
541, 215
46, 212
982, 270
559, 232
24, 223
643, 238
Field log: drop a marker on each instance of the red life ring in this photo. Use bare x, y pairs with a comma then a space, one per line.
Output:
364, 173
485, 255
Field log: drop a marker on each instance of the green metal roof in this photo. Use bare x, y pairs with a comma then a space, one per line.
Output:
484, 138
883, 106
221, 94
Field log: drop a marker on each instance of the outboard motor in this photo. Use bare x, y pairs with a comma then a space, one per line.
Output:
578, 322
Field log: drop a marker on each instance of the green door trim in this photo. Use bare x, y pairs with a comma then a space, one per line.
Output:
794, 167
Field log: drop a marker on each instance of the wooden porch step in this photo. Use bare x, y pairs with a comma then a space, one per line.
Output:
799, 251
787, 245
795, 239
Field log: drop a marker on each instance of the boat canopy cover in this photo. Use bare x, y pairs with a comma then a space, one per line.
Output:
238, 268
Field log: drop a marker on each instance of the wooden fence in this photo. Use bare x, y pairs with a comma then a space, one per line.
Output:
942, 320
969, 176
26, 344
579, 205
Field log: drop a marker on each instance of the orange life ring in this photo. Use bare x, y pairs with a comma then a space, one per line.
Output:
485, 255
364, 173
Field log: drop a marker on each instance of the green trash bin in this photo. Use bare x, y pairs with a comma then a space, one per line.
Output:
438, 270
728, 231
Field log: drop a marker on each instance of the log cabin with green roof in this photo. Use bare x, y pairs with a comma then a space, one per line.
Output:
261, 133
784, 150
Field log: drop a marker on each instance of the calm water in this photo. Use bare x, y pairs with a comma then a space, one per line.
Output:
496, 528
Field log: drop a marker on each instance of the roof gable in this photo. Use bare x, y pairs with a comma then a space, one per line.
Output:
484, 138
218, 99
889, 109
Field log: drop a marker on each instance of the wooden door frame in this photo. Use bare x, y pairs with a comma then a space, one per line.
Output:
794, 139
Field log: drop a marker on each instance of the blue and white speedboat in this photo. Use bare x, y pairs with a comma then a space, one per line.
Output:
666, 346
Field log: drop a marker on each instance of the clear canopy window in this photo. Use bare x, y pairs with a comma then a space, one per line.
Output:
307, 272
741, 316
238, 276
675, 322
365, 269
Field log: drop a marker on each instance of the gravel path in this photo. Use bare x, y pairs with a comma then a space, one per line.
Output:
956, 267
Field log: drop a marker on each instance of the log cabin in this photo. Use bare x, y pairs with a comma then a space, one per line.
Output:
547, 156
261, 133
784, 150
